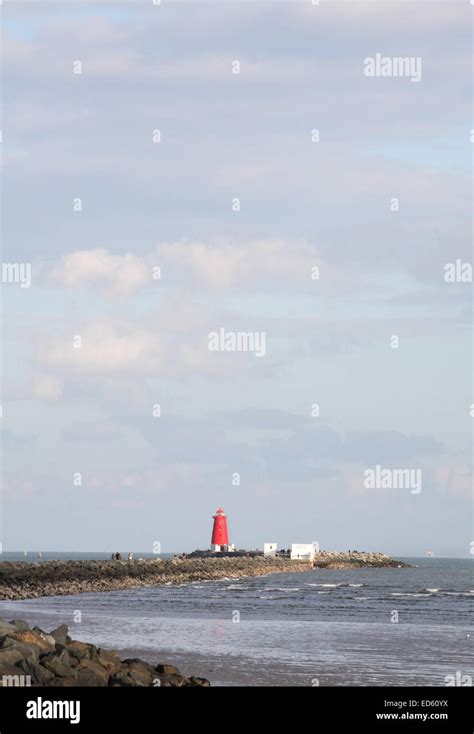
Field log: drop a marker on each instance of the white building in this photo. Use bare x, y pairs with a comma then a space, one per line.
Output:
269, 549
302, 551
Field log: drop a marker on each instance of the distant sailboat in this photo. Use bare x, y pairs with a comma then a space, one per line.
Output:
429, 554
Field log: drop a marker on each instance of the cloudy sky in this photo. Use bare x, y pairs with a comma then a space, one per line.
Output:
158, 159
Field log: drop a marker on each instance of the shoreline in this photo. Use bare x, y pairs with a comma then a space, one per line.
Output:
22, 580
33, 657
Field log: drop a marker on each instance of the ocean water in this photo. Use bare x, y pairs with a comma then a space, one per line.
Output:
384, 626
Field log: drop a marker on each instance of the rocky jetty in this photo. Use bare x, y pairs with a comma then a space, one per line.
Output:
356, 559
32, 657
19, 580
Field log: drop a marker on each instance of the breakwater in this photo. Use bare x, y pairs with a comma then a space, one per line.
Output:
19, 580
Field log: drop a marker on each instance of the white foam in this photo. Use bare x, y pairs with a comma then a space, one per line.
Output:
408, 593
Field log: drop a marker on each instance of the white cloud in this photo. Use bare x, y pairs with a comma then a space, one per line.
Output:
120, 275
217, 265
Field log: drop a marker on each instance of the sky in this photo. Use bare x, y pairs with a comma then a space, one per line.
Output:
175, 169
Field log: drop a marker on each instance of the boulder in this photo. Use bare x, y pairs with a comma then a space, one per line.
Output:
195, 681
11, 672
45, 636
60, 634
90, 666
32, 637
174, 681
10, 656
88, 679
81, 650
167, 670
19, 624
127, 679
109, 660
39, 676
28, 652
59, 664
144, 671
6, 628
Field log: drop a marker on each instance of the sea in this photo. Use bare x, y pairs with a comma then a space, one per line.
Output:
363, 627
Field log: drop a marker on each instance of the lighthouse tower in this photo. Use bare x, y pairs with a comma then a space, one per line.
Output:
220, 535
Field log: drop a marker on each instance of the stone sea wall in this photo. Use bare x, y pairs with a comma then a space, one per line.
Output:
20, 580
27, 580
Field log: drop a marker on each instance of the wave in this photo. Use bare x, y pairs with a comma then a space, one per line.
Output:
458, 593
409, 593
287, 589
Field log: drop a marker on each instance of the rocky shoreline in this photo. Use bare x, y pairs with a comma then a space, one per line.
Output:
19, 580
337, 561
32, 657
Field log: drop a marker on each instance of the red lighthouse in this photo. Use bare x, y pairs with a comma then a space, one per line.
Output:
220, 535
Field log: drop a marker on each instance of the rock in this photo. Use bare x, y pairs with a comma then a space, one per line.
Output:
45, 636
109, 660
10, 656
203, 682
39, 676
90, 666
175, 681
126, 678
60, 634
167, 670
144, 671
59, 664
32, 637
11, 672
88, 679
81, 650
27, 652
6, 628
34, 657
19, 624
